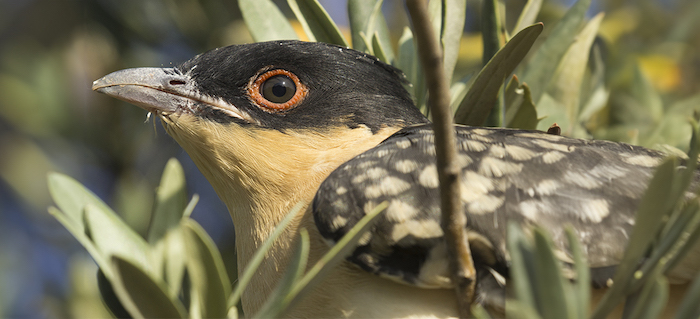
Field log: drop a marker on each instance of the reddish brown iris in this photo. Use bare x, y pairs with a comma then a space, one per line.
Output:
277, 90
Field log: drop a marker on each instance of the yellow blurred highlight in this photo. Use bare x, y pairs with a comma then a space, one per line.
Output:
299, 29
618, 23
663, 71
471, 48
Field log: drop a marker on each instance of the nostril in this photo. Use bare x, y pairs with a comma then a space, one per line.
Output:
176, 82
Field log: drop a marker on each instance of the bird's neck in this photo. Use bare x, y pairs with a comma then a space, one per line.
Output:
260, 185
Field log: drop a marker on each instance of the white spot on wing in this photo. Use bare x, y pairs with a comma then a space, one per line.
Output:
485, 204
366, 164
584, 179
417, 228
547, 187
490, 166
338, 222
519, 153
481, 131
531, 209
405, 166
389, 185
399, 211
474, 186
340, 205
480, 137
382, 152
403, 144
642, 160
552, 157
429, 177
341, 190
497, 151
464, 160
473, 146
429, 149
594, 210
365, 239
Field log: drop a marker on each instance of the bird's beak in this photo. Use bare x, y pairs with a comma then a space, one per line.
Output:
153, 89
162, 91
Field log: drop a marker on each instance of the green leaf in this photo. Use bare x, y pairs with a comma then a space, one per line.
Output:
596, 102
378, 50
649, 100
521, 267
453, 19
520, 110
565, 84
316, 22
334, 256
170, 252
691, 236
528, 15
552, 298
210, 283
491, 28
483, 94
690, 307
265, 21
478, 312
78, 231
71, 197
648, 222
518, 309
190, 206
596, 93
459, 90
141, 295
540, 69
409, 63
652, 300
366, 17
259, 256
171, 200
112, 237
277, 302
582, 290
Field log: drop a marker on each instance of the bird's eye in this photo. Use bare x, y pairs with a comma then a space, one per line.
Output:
277, 90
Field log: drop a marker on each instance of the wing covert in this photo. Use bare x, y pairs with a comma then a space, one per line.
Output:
507, 175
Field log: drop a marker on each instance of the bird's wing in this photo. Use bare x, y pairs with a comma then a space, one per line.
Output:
527, 177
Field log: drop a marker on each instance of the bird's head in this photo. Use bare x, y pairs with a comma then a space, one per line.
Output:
271, 118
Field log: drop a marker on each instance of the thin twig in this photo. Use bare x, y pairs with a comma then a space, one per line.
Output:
453, 219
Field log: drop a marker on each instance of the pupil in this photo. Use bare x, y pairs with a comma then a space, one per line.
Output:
279, 89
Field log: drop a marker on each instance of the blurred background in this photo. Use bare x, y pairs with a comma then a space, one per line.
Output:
50, 120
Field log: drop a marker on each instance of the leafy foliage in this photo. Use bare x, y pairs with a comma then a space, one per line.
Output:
573, 77
150, 280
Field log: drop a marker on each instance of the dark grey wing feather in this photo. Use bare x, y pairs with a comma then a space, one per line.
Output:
507, 175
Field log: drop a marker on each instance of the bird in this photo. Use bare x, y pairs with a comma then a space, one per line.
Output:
272, 124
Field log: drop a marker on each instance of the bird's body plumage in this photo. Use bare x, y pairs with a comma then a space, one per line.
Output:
342, 116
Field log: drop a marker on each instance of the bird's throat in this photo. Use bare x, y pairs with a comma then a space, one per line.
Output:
260, 174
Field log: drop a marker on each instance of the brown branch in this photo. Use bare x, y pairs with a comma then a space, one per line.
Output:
453, 219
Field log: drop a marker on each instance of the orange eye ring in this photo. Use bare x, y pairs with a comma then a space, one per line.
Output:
256, 93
